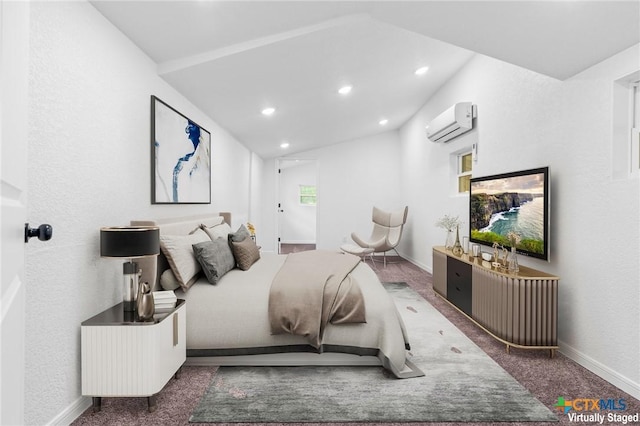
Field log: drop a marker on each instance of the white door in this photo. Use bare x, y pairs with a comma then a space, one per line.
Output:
14, 69
296, 219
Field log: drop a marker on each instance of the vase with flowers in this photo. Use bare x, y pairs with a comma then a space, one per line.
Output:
252, 230
514, 240
449, 223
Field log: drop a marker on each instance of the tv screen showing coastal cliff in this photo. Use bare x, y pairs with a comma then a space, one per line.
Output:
512, 204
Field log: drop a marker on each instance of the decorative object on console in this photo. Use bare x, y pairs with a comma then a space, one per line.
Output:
180, 158
513, 262
130, 242
499, 261
514, 240
457, 247
145, 303
449, 223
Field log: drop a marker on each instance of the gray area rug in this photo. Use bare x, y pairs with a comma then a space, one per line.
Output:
461, 384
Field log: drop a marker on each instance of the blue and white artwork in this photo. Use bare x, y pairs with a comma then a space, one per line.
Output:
181, 158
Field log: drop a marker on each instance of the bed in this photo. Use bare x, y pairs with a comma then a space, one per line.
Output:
230, 322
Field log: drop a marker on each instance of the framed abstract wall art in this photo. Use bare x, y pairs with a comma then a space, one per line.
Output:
180, 158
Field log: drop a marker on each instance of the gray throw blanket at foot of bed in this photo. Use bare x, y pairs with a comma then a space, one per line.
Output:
312, 289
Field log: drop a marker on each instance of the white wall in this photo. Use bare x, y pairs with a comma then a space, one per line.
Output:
599, 213
89, 166
528, 120
352, 177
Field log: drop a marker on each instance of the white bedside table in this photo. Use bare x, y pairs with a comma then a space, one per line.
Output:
124, 357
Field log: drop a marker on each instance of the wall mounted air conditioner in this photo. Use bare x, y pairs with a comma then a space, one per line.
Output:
453, 122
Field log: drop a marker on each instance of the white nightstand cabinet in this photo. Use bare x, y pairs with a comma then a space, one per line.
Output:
124, 357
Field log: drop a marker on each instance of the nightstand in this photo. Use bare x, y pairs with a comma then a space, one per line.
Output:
125, 357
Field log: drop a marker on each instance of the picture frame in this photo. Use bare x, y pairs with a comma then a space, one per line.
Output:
180, 157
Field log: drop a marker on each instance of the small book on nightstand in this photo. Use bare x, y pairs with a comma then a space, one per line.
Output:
164, 300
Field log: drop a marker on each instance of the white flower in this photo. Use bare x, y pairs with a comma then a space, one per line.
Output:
514, 239
448, 222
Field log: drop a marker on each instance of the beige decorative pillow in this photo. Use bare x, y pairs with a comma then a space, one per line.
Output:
179, 252
246, 253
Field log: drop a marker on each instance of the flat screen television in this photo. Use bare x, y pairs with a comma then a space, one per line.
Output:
517, 202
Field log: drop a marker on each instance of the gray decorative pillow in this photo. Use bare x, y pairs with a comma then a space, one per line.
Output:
215, 257
239, 235
246, 253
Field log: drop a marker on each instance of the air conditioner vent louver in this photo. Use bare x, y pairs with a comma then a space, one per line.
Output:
453, 122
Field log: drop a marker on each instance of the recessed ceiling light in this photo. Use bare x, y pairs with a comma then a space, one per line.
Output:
268, 111
383, 122
345, 90
422, 70
284, 145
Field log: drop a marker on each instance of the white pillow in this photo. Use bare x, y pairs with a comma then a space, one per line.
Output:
218, 231
215, 220
179, 253
168, 280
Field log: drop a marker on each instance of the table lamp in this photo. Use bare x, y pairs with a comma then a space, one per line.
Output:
130, 242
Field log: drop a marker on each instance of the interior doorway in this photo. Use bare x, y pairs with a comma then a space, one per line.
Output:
296, 204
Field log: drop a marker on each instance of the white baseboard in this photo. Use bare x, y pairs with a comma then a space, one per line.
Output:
298, 242
624, 383
418, 264
72, 412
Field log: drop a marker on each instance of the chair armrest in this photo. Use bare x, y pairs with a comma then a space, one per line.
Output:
359, 241
368, 244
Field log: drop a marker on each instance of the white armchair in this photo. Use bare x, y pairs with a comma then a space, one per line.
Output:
386, 233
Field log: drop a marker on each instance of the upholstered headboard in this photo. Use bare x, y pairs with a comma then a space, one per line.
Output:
152, 267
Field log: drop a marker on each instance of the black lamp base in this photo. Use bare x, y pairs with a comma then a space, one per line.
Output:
129, 306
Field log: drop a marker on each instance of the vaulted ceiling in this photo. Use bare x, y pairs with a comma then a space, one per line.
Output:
233, 59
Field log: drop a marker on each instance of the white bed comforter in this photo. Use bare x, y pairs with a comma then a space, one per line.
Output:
233, 315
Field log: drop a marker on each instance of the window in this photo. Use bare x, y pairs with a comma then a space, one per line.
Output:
307, 195
635, 126
626, 127
465, 162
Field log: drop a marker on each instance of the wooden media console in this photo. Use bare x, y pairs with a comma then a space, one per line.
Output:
520, 310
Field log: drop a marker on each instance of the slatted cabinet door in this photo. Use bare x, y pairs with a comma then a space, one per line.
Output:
128, 358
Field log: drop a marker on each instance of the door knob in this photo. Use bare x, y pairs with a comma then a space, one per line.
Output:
43, 232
